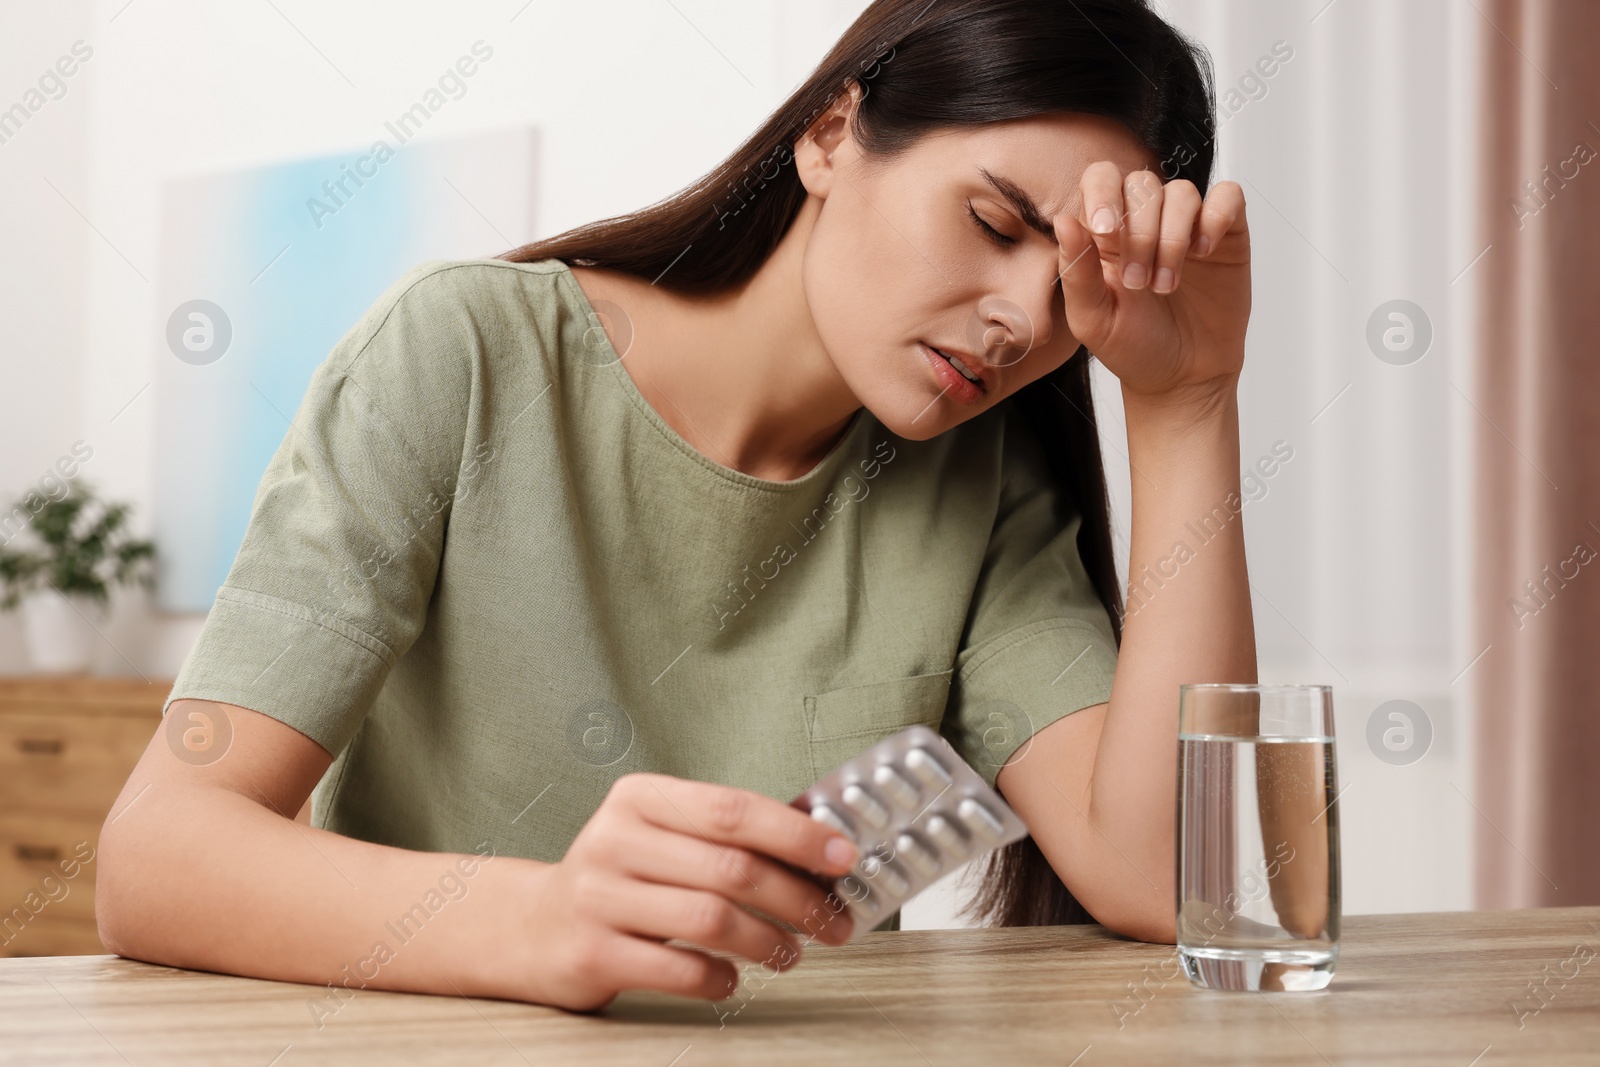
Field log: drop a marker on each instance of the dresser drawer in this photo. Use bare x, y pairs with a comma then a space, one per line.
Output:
65, 763
52, 857
48, 935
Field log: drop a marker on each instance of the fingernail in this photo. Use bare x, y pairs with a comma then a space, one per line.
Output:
1202, 246
839, 852
1133, 276
1105, 221
1164, 280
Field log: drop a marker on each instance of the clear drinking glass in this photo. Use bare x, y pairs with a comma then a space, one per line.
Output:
1258, 836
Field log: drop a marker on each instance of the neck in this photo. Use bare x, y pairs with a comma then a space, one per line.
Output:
742, 376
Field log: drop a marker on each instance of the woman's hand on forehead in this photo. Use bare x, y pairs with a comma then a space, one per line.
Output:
1155, 279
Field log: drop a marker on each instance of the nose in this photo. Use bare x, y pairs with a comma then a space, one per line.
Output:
1002, 331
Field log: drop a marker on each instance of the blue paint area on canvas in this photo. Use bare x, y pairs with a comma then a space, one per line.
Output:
286, 319
248, 242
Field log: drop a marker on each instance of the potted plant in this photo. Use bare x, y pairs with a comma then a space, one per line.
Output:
61, 567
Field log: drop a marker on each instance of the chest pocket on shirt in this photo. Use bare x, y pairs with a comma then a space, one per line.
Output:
846, 722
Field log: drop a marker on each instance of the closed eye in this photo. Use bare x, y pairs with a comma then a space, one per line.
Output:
994, 234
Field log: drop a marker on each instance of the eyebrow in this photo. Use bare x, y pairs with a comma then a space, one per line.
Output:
1021, 202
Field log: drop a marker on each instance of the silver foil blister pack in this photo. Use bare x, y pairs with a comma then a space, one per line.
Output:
915, 811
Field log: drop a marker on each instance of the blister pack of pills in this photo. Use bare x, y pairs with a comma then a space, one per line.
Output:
915, 811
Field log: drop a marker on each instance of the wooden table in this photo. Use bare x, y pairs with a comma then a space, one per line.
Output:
1422, 989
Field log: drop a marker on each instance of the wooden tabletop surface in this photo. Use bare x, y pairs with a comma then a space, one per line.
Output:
1454, 989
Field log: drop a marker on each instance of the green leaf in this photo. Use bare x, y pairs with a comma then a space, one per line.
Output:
80, 546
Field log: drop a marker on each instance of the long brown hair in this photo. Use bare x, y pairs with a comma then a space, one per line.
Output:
925, 65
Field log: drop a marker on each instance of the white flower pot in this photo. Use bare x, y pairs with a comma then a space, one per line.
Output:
60, 631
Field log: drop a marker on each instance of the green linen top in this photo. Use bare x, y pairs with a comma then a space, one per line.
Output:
486, 575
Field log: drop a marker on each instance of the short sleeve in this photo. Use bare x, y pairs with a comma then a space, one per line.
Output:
332, 580
1038, 643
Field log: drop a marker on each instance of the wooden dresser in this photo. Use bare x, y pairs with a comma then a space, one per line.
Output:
67, 745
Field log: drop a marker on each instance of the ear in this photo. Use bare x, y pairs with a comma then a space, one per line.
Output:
814, 152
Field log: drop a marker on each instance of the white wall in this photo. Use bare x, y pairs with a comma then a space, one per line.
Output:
1353, 163
42, 259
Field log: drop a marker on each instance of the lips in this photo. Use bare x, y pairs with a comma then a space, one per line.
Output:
957, 385
962, 365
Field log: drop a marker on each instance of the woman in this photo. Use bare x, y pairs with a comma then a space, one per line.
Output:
580, 562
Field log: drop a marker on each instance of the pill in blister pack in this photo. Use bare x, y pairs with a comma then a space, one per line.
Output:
916, 811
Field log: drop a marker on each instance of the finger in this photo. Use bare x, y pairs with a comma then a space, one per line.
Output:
694, 915
1180, 204
1221, 215
632, 963
1089, 302
1142, 194
739, 874
1102, 201
725, 815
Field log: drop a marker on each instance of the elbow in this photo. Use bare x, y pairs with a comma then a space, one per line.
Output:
111, 933
126, 888
1136, 907
112, 903
1138, 918
1143, 926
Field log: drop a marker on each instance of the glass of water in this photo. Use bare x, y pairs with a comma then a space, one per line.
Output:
1258, 837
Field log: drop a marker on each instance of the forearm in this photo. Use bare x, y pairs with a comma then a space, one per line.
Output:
1187, 619
205, 878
